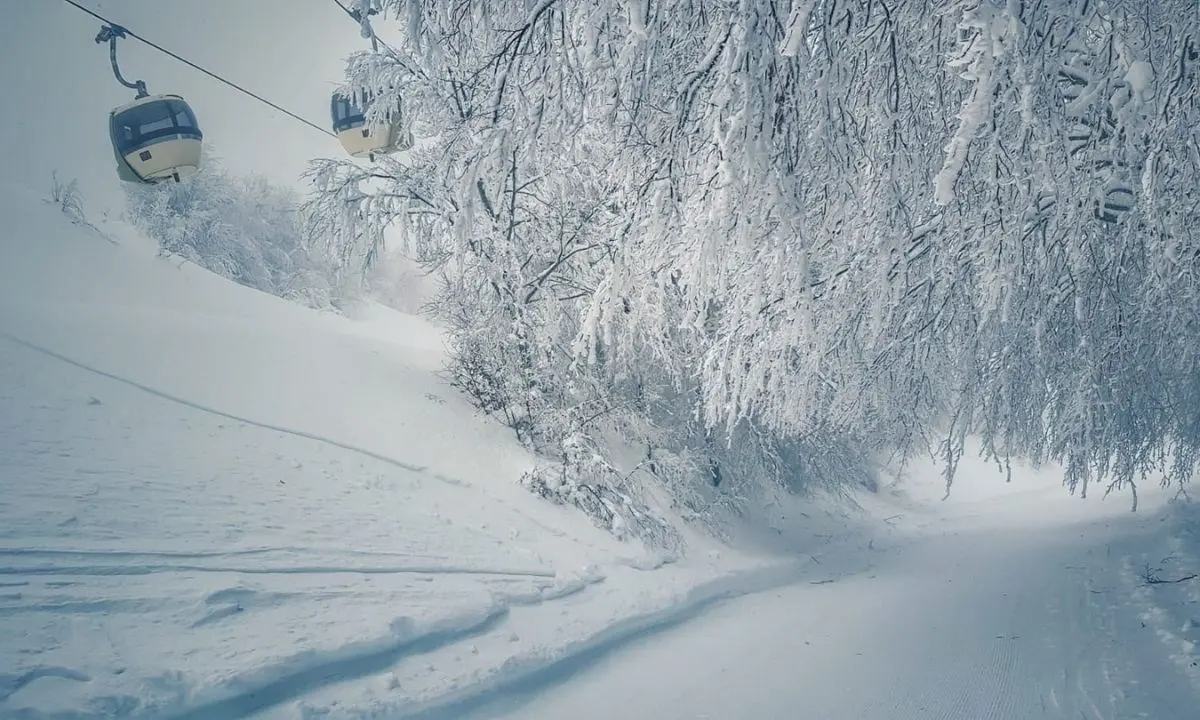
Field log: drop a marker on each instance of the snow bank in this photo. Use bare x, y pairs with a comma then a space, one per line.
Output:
589, 640
1165, 584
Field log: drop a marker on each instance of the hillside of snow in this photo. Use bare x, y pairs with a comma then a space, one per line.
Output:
216, 502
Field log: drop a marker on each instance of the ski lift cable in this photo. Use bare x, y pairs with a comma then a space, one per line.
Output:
346, 10
356, 16
211, 74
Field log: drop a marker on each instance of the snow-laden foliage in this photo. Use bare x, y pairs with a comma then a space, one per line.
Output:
585, 479
843, 224
246, 229
68, 198
1070, 235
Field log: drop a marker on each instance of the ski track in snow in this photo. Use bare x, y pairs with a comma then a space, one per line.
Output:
223, 414
973, 625
102, 588
522, 676
313, 671
519, 674
10, 684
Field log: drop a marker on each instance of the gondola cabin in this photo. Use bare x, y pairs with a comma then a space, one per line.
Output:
363, 141
155, 138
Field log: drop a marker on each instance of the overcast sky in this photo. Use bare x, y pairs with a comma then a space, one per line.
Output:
59, 86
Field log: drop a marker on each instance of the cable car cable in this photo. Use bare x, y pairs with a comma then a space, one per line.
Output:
356, 16
347, 10
211, 74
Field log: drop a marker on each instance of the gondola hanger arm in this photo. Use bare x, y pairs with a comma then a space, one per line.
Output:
110, 34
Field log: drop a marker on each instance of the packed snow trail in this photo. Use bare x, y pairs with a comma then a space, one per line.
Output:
1010, 621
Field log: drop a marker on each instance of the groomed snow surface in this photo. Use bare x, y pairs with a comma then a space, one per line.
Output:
215, 504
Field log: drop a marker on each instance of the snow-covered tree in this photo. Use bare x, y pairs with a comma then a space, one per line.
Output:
1071, 218
845, 224
246, 229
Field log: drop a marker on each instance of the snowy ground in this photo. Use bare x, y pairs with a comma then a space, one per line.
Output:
1024, 618
215, 504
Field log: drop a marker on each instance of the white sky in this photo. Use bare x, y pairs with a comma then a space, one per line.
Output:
59, 87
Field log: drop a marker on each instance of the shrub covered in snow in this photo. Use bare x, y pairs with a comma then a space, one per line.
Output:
246, 229
67, 197
585, 479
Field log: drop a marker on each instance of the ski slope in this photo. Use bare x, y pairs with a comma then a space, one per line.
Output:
1019, 616
217, 504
